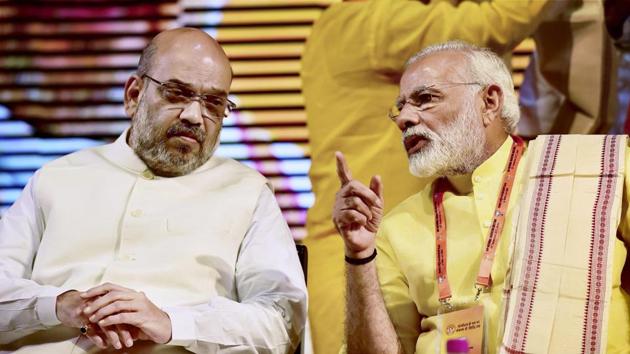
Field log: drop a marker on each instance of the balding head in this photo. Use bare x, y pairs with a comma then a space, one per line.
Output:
176, 39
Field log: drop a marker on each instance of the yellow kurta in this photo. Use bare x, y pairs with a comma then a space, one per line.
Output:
406, 260
350, 70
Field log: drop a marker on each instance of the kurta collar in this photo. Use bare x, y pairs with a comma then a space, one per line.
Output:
491, 168
121, 154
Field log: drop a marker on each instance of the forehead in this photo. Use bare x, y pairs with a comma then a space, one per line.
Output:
198, 64
435, 68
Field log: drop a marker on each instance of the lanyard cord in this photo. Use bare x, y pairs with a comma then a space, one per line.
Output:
441, 186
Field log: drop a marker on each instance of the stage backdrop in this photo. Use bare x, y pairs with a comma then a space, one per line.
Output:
63, 64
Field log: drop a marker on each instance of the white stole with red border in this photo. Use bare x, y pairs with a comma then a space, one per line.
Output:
558, 288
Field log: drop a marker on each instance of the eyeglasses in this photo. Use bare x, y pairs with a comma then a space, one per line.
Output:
424, 97
175, 93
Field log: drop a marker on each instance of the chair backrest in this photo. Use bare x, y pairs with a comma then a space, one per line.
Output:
303, 255
302, 252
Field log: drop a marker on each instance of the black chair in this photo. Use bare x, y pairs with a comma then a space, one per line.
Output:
302, 252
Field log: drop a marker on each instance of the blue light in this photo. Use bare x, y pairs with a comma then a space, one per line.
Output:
234, 151
14, 179
24, 162
5, 113
299, 183
10, 195
59, 146
305, 200
285, 150
15, 128
231, 135
295, 167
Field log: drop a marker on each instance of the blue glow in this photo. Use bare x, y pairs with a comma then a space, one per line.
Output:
116, 94
15, 128
299, 183
211, 31
295, 167
231, 135
14, 179
10, 195
5, 113
284, 150
234, 151
305, 200
24, 162
62, 146
210, 18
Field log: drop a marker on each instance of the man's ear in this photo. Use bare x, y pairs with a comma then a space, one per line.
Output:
492, 104
133, 89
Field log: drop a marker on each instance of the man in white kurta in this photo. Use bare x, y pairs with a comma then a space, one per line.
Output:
169, 251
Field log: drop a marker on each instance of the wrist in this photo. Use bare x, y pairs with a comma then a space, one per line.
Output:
360, 254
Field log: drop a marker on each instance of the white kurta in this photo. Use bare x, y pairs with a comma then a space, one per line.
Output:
210, 248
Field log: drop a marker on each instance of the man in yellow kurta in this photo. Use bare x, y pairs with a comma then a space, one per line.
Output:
350, 70
555, 274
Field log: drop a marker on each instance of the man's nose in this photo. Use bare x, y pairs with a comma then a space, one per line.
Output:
193, 112
407, 118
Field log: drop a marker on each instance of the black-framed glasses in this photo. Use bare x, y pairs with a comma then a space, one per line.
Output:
180, 94
423, 97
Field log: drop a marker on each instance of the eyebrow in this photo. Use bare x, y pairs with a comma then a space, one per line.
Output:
417, 91
212, 91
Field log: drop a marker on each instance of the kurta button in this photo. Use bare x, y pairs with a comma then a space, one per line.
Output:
487, 223
477, 179
136, 213
148, 174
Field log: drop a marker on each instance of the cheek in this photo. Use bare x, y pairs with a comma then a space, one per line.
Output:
212, 132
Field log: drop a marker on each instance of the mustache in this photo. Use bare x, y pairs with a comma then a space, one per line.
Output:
179, 129
418, 130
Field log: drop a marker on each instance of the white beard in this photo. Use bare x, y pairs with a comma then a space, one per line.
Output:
458, 150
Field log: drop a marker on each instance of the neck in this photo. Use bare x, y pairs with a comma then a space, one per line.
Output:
461, 183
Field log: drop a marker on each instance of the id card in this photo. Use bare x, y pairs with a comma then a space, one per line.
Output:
466, 323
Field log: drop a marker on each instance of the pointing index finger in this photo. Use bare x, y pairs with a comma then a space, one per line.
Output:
342, 169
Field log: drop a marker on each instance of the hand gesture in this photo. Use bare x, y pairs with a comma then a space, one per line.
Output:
358, 211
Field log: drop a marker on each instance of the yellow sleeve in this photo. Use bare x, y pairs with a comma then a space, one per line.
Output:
624, 226
400, 28
395, 288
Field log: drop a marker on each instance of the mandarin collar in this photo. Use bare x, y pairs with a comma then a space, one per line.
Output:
121, 154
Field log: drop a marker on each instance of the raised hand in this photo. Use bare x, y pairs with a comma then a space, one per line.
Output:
116, 305
358, 211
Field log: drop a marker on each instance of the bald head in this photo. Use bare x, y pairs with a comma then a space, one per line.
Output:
189, 40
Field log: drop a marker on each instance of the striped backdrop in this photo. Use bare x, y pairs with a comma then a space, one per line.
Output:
63, 64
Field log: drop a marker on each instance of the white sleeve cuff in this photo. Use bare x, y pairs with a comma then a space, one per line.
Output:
46, 305
183, 331
46, 308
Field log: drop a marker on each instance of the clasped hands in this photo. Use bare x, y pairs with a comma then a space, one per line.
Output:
358, 211
114, 315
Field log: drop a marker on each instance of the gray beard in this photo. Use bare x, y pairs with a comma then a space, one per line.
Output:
149, 143
460, 149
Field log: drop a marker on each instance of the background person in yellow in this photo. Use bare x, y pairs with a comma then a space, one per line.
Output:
455, 110
350, 70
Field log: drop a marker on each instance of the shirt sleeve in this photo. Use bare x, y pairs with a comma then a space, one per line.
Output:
395, 288
270, 313
399, 28
25, 306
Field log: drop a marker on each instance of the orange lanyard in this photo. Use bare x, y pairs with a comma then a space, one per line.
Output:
442, 185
